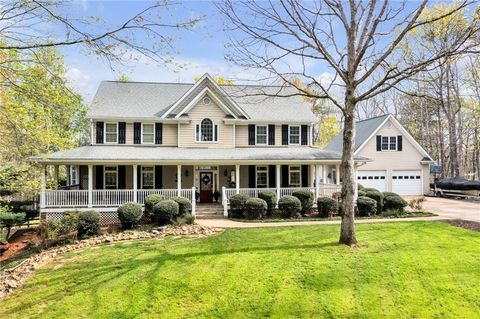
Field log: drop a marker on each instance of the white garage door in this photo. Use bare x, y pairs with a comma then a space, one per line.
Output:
407, 182
372, 179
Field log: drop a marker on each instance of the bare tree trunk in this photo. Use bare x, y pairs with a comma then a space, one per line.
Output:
347, 233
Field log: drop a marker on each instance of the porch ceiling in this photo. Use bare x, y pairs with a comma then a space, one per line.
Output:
175, 155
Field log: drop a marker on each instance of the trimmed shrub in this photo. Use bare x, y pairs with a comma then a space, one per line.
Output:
255, 208
306, 198
150, 201
184, 205
360, 187
237, 204
187, 219
88, 224
394, 203
270, 197
362, 193
129, 214
9, 219
377, 196
165, 212
366, 206
289, 206
327, 207
385, 194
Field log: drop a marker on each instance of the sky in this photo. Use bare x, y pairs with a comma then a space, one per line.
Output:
201, 50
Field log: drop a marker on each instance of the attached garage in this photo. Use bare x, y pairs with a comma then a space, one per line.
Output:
407, 182
373, 179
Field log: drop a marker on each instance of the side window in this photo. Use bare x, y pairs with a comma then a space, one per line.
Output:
74, 175
294, 134
111, 132
148, 177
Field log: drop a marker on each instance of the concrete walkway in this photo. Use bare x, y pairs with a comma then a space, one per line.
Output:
444, 208
227, 223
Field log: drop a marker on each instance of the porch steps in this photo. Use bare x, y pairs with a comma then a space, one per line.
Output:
209, 211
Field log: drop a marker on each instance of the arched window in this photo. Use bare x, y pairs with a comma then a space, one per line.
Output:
206, 131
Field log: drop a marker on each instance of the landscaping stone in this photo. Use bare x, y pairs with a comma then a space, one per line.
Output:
13, 278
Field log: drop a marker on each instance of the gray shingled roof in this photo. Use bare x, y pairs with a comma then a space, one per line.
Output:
152, 100
364, 129
115, 153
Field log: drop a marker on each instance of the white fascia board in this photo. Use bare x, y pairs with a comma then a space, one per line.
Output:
140, 119
410, 137
253, 121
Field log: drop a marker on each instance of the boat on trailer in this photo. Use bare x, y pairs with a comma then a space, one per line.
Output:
457, 187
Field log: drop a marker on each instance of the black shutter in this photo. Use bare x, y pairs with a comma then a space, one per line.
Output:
251, 134
121, 132
98, 177
304, 175
304, 134
158, 133
137, 133
271, 176
251, 176
271, 134
122, 183
99, 132
284, 175
399, 143
284, 134
158, 177
379, 142
139, 177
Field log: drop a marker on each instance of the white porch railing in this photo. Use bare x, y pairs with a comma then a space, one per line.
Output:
66, 198
289, 190
109, 197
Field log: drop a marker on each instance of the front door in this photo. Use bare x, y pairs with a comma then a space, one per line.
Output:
206, 187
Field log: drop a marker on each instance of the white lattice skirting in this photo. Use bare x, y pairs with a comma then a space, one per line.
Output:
106, 218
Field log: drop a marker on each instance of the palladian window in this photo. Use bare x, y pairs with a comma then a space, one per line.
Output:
206, 131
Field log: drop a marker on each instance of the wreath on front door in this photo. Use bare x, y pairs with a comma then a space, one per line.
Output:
206, 179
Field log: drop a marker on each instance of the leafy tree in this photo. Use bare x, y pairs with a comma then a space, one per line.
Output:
220, 80
9, 219
39, 114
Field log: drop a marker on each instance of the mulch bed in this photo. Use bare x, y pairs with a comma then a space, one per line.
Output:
467, 224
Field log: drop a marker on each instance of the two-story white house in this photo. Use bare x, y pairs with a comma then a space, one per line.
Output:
183, 139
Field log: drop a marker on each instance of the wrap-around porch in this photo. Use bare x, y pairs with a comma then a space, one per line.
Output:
106, 186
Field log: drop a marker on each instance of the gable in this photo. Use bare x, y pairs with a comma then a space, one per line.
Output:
206, 85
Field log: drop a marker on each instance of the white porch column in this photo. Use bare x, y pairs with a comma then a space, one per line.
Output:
277, 180
90, 185
312, 175
179, 179
135, 186
324, 172
237, 178
194, 201
337, 174
43, 185
92, 132
317, 180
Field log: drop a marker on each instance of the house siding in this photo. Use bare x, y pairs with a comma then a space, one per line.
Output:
241, 137
197, 114
407, 159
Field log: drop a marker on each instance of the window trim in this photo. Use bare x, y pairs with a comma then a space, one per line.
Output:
388, 143
215, 132
290, 134
105, 176
262, 171
141, 176
142, 132
105, 133
290, 175
76, 169
266, 135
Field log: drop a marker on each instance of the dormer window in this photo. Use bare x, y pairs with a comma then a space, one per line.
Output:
111, 132
206, 131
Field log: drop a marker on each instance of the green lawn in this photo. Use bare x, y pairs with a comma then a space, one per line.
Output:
402, 270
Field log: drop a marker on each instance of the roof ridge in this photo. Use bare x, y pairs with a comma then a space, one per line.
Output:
193, 83
375, 117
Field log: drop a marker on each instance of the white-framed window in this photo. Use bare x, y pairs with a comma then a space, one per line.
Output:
206, 131
294, 134
295, 176
74, 175
389, 143
261, 134
148, 177
148, 133
262, 176
110, 178
111, 132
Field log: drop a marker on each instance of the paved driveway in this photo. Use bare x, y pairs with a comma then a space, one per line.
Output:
453, 208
